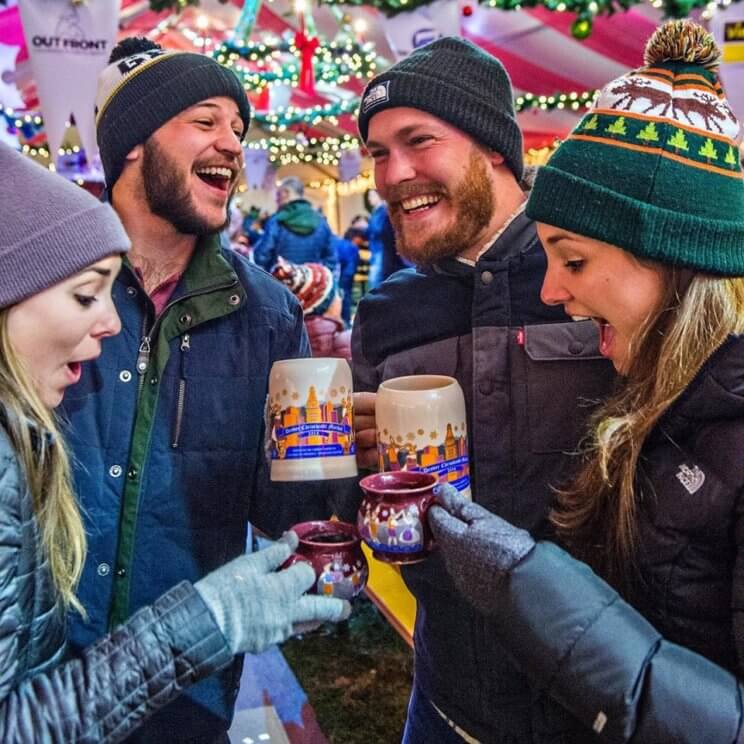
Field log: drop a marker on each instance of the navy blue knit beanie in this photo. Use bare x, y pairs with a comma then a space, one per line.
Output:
144, 86
457, 82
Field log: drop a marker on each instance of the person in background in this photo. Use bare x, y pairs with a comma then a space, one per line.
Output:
296, 232
648, 239
237, 239
60, 251
448, 161
167, 425
378, 232
315, 287
347, 250
253, 225
385, 259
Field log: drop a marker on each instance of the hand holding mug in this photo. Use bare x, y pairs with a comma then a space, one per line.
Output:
365, 430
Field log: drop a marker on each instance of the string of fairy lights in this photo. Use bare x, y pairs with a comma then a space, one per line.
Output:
298, 148
261, 65
335, 62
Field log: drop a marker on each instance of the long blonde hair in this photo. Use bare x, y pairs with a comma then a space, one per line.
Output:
596, 515
46, 467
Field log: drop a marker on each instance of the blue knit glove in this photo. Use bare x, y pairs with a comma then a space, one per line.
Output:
256, 606
478, 547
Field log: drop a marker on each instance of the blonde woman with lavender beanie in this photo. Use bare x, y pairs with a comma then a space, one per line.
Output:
60, 251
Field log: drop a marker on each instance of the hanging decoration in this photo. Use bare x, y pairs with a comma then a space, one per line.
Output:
335, 62
306, 46
256, 165
349, 165
9, 95
581, 28
68, 46
408, 31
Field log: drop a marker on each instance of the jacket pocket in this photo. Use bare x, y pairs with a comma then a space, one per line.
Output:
566, 377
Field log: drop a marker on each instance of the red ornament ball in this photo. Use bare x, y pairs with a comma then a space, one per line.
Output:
467, 11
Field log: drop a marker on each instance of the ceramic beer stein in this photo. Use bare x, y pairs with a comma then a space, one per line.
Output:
334, 551
311, 420
392, 515
422, 426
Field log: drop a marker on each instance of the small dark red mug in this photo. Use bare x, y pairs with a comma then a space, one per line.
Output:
334, 550
392, 515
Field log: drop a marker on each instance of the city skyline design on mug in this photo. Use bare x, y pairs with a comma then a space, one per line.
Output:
447, 458
320, 427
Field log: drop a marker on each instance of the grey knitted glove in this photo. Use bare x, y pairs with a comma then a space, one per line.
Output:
256, 606
478, 547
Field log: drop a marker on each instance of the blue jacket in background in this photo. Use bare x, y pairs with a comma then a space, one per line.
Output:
348, 260
279, 239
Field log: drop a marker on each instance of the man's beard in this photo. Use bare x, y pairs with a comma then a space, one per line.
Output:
168, 194
473, 206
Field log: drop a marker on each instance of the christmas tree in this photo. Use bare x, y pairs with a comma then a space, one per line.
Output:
708, 150
678, 140
617, 126
648, 133
591, 124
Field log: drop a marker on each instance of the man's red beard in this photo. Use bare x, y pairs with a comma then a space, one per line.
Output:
473, 206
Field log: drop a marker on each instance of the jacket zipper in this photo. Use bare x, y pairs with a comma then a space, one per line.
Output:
185, 346
143, 353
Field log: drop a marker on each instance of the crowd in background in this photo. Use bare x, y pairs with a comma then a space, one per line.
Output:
329, 273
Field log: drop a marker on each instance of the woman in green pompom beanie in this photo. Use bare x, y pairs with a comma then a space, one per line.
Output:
641, 214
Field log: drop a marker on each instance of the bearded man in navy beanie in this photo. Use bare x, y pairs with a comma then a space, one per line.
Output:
441, 128
168, 427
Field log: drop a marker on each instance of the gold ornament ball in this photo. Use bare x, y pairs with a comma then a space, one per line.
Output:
581, 28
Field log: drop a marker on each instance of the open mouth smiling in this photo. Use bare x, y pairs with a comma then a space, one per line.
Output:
218, 177
421, 203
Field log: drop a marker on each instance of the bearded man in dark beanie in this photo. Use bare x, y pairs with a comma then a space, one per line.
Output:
167, 426
441, 128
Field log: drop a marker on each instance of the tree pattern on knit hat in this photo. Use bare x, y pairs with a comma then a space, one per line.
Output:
681, 115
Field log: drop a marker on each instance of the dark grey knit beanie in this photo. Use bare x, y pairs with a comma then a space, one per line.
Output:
457, 82
50, 229
141, 91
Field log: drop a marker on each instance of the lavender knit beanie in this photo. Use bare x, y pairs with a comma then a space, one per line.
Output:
51, 229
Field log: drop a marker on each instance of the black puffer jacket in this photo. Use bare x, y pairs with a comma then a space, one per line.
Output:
644, 673
102, 696
692, 515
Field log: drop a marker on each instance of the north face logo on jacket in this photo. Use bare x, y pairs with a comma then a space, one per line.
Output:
691, 478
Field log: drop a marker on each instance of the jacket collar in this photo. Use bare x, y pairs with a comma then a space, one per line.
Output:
207, 267
38, 433
518, 237
717, 392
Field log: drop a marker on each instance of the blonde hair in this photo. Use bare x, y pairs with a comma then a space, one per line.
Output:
47, 470
596, 516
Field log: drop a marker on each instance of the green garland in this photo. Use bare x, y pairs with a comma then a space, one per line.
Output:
585, 9
293, 150
335, 62
283, 118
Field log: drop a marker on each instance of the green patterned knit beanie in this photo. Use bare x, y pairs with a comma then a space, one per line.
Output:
655, 167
